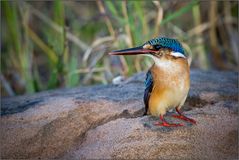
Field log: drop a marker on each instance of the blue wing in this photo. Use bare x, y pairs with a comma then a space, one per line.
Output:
149, 85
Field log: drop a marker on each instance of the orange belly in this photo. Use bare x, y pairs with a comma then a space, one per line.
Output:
162, 100
169, 90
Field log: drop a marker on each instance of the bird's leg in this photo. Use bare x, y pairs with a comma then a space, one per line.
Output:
166, 124
183, 117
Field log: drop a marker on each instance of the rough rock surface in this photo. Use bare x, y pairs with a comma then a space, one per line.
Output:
106, 122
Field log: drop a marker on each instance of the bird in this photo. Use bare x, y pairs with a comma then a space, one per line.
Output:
167, 81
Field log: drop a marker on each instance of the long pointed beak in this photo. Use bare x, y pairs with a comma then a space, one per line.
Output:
132, 51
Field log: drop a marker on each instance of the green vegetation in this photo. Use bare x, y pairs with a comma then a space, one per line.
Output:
46, 45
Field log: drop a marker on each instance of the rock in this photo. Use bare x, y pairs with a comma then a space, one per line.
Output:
106, 121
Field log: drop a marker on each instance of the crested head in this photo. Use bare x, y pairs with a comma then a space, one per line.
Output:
167, 52
160, 47
166, 43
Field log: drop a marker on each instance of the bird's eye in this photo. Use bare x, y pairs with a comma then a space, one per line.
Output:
157, 47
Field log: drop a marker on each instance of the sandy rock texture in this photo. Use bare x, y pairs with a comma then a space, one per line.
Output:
106, 121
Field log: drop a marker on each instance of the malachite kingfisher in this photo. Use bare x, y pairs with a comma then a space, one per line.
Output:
167, 81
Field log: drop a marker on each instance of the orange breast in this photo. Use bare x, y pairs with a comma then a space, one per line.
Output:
171, 86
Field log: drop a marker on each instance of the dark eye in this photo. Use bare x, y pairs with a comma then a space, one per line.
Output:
157, 47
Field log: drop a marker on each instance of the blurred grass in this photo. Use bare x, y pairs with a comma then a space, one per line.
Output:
180, 12
46, 45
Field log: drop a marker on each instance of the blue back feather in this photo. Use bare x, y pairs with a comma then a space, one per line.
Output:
149, 86
149, 79
163, 42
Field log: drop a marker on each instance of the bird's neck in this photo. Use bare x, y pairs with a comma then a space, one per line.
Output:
171, 66
166, 69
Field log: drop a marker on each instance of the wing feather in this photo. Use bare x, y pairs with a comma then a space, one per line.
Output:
147, 92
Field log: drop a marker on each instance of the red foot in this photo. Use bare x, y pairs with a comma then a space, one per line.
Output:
181, 116
166, 124
184, 118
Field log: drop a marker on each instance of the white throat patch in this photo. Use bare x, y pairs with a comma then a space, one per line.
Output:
177, 54
165, 64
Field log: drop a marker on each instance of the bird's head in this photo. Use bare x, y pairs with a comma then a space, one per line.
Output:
160, 49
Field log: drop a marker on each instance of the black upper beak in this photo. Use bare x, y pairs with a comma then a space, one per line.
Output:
132, 51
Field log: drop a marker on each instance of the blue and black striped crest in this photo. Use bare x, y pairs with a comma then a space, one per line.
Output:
164, 42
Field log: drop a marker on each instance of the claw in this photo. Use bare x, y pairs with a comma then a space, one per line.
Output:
181, 116
184, 118
166, 124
